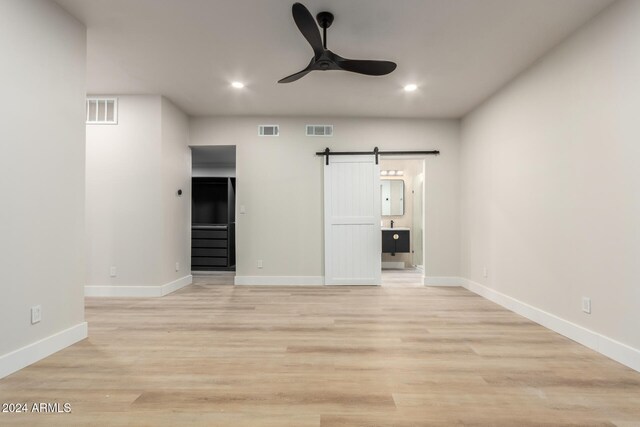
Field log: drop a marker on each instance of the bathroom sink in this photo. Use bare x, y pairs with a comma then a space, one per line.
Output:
395, 228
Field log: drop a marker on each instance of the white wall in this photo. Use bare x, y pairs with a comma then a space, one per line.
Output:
279, 181
550, 198
41, 179
213, 170
135, 220
176, 174
123, 195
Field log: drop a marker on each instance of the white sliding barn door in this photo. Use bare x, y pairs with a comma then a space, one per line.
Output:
352, 234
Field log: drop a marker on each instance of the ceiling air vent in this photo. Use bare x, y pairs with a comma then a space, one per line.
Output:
102, 111
319, 130
269, 130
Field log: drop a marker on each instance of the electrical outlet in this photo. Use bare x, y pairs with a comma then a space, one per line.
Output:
113, 272
586, 305
36, 314
242, 209
259, 263
177, 266
485, 272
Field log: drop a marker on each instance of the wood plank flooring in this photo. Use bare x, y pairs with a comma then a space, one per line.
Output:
216, 355
406, 278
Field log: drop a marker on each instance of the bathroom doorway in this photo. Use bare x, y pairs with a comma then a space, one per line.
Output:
402, 212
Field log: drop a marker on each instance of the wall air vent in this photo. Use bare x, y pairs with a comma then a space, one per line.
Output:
269, 130
102, 111
319, 130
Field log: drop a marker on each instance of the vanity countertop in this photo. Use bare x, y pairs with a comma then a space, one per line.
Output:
395, 228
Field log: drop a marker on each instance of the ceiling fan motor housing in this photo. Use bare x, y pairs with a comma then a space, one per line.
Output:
325, 19
327, 61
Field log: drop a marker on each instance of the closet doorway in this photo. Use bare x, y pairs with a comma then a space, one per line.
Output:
213, 208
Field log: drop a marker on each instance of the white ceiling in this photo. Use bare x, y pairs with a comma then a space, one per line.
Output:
458, 51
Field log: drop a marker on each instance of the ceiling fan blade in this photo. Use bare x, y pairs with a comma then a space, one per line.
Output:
294, 77
370, 68
299, 74
308, 27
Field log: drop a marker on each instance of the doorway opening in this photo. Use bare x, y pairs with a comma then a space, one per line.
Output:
213, 209
402, 220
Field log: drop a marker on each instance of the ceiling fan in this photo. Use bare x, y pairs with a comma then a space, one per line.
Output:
323, 59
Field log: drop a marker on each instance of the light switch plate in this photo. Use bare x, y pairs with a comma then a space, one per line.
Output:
36, 314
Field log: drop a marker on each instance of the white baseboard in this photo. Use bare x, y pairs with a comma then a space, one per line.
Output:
611, 348
393, 265
279, 280
138, 291
443, 281
29, 354
180, 283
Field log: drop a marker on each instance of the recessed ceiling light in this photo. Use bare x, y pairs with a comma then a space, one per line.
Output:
410, 87
237, 85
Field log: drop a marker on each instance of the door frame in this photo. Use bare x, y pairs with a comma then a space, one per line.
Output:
423, 165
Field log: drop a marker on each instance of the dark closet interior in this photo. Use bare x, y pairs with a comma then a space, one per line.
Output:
213, 224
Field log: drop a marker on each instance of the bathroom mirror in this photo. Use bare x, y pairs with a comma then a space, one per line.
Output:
392, 197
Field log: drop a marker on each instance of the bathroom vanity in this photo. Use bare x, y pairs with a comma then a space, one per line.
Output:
396, 240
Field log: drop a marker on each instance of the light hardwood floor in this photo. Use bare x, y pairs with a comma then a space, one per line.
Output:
407, 278
216, 355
